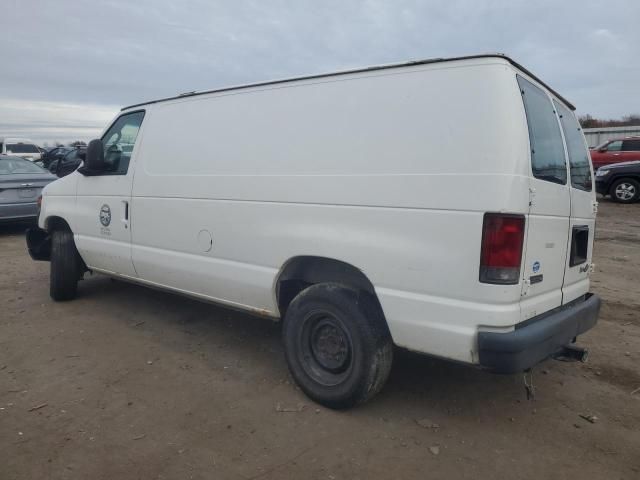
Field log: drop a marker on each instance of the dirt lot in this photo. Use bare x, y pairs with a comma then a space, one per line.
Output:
127, 382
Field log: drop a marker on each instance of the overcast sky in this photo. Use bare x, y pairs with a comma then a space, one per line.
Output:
69, 65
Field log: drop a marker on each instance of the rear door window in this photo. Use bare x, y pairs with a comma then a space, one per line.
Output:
547, 150
578, 154
631, 145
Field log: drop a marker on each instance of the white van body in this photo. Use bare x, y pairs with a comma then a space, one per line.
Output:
389, 170
20, 147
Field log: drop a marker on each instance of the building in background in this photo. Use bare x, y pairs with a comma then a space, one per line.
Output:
595, 136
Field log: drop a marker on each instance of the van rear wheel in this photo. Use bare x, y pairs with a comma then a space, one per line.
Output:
65, 266
625, 190
337, 345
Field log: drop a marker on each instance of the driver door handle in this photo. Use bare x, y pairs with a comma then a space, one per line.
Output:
125, 219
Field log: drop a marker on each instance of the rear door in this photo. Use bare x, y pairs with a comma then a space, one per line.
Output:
548, 221
583, 207
631, 150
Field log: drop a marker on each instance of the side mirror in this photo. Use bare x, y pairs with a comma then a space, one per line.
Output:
602, 150
94, 158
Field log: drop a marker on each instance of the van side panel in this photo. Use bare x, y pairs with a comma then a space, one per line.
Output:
390, 172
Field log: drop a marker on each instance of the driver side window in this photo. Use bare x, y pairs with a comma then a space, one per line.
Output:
119, 142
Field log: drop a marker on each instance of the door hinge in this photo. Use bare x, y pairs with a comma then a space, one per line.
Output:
532, 196
595, 207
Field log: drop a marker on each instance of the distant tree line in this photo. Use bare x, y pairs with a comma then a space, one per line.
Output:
77, 143
587, 121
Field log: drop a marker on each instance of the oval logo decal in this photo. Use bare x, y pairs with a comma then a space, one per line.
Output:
105, 215
536, 267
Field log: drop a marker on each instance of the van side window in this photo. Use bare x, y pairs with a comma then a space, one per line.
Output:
547, 150
119, 142
578, 154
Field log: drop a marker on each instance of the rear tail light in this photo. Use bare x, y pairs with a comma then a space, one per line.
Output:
501, 253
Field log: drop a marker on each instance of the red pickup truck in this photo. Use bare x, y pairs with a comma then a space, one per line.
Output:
615, 151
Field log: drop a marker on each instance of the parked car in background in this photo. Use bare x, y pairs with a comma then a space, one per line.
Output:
21, 182
68, 162
621, 181
616, 151
54, 153
20, 147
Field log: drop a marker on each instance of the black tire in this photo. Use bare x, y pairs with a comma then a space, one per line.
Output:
337, 345
65, 266
625, 190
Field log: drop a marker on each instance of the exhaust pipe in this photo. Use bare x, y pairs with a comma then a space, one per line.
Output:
572, 353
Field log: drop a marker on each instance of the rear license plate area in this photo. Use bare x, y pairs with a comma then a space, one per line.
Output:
27, 192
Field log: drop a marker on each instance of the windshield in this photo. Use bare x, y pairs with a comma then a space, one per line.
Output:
12, 165
22, 148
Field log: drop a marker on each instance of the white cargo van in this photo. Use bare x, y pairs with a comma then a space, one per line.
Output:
444, 206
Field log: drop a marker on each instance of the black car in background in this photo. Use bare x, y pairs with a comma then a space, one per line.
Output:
621, 181
55, 153
69, 162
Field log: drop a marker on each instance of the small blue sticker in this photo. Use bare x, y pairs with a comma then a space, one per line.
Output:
536, 267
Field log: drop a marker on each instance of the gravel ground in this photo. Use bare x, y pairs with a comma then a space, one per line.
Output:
126, 382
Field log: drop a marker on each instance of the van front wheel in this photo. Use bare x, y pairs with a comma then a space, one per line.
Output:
337, 345
65, 266
625, 190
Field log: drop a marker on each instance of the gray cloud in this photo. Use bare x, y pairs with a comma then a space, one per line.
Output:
97, 55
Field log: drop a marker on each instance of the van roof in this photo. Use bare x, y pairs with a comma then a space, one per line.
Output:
359, 70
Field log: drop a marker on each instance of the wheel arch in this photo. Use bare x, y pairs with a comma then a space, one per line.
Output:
55, 222
302, 271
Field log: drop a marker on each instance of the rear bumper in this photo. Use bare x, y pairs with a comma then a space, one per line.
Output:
18, 211
539, 338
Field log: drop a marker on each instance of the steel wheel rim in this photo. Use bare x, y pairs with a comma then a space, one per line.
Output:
325, 348
625, 191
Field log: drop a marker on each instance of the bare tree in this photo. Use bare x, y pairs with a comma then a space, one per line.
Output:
588, 121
